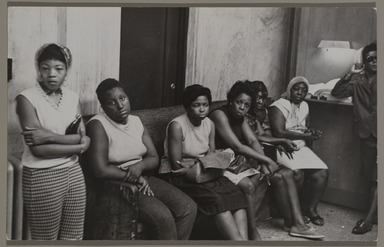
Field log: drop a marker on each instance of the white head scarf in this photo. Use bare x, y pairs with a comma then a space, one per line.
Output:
295, 80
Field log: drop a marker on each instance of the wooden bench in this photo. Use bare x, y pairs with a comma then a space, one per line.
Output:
111, 211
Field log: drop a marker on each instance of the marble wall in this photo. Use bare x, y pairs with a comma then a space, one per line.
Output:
224, 45
230, 44
93, 36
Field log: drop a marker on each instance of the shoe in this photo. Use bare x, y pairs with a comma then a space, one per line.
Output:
317, 220
361, 221
362, 227
310, 234
286, 228
306, 219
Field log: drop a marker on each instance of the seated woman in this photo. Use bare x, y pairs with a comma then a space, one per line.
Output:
234, 132
257, 118
121, 149
288, 117
192, 135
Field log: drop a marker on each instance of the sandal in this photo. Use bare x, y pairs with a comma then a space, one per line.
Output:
309, 233
362, 227
317, 220
306, 219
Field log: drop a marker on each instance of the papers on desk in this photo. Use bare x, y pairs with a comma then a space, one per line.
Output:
324, 90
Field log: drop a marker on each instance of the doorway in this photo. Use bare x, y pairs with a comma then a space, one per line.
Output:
153, 55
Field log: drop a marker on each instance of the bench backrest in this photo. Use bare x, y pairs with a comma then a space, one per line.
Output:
156, 121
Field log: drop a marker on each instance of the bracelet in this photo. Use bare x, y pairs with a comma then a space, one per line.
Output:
348, 75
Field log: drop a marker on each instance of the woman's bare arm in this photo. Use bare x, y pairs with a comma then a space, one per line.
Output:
277, 122
175, 138
40, 140
97, 154
149, 162
212, 145
225, 131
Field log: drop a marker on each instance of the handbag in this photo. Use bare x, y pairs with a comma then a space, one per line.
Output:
72, 128
239, 164
209, 167
270, 150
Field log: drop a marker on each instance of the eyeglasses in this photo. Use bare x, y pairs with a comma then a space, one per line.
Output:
370, 59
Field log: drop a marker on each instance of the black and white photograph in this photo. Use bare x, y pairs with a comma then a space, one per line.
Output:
192, 123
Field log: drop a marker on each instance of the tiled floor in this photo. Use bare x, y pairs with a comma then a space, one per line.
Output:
339, 222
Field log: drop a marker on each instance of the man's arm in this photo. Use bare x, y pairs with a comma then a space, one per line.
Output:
344, 87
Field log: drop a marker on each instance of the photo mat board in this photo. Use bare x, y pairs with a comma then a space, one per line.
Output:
69, 15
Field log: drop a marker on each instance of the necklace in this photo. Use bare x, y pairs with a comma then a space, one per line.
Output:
51, 95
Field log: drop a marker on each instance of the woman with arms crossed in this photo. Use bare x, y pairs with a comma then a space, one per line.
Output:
53, 182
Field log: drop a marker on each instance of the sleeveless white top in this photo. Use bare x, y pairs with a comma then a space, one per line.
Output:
125, 142
295, 116
53, 118
195, 141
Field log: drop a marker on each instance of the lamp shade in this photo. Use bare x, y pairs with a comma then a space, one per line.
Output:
334, 44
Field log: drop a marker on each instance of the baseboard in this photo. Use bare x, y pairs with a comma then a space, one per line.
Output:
345, 198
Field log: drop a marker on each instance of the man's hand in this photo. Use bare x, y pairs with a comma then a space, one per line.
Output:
356, 68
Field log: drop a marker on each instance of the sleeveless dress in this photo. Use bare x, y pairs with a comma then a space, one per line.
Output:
221, 144
295, 118
212, 197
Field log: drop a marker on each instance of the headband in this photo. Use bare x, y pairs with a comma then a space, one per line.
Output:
64, 50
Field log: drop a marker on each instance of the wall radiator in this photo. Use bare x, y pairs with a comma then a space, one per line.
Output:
17, 227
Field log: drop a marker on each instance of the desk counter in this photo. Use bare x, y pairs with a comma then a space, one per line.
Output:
339, 149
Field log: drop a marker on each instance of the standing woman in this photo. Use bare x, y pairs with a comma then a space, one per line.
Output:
192, 135
288, 117
53, 182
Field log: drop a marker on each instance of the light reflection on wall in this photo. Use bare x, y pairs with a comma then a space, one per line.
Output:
330, 63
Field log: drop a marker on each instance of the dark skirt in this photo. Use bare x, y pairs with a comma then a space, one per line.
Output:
212, 197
